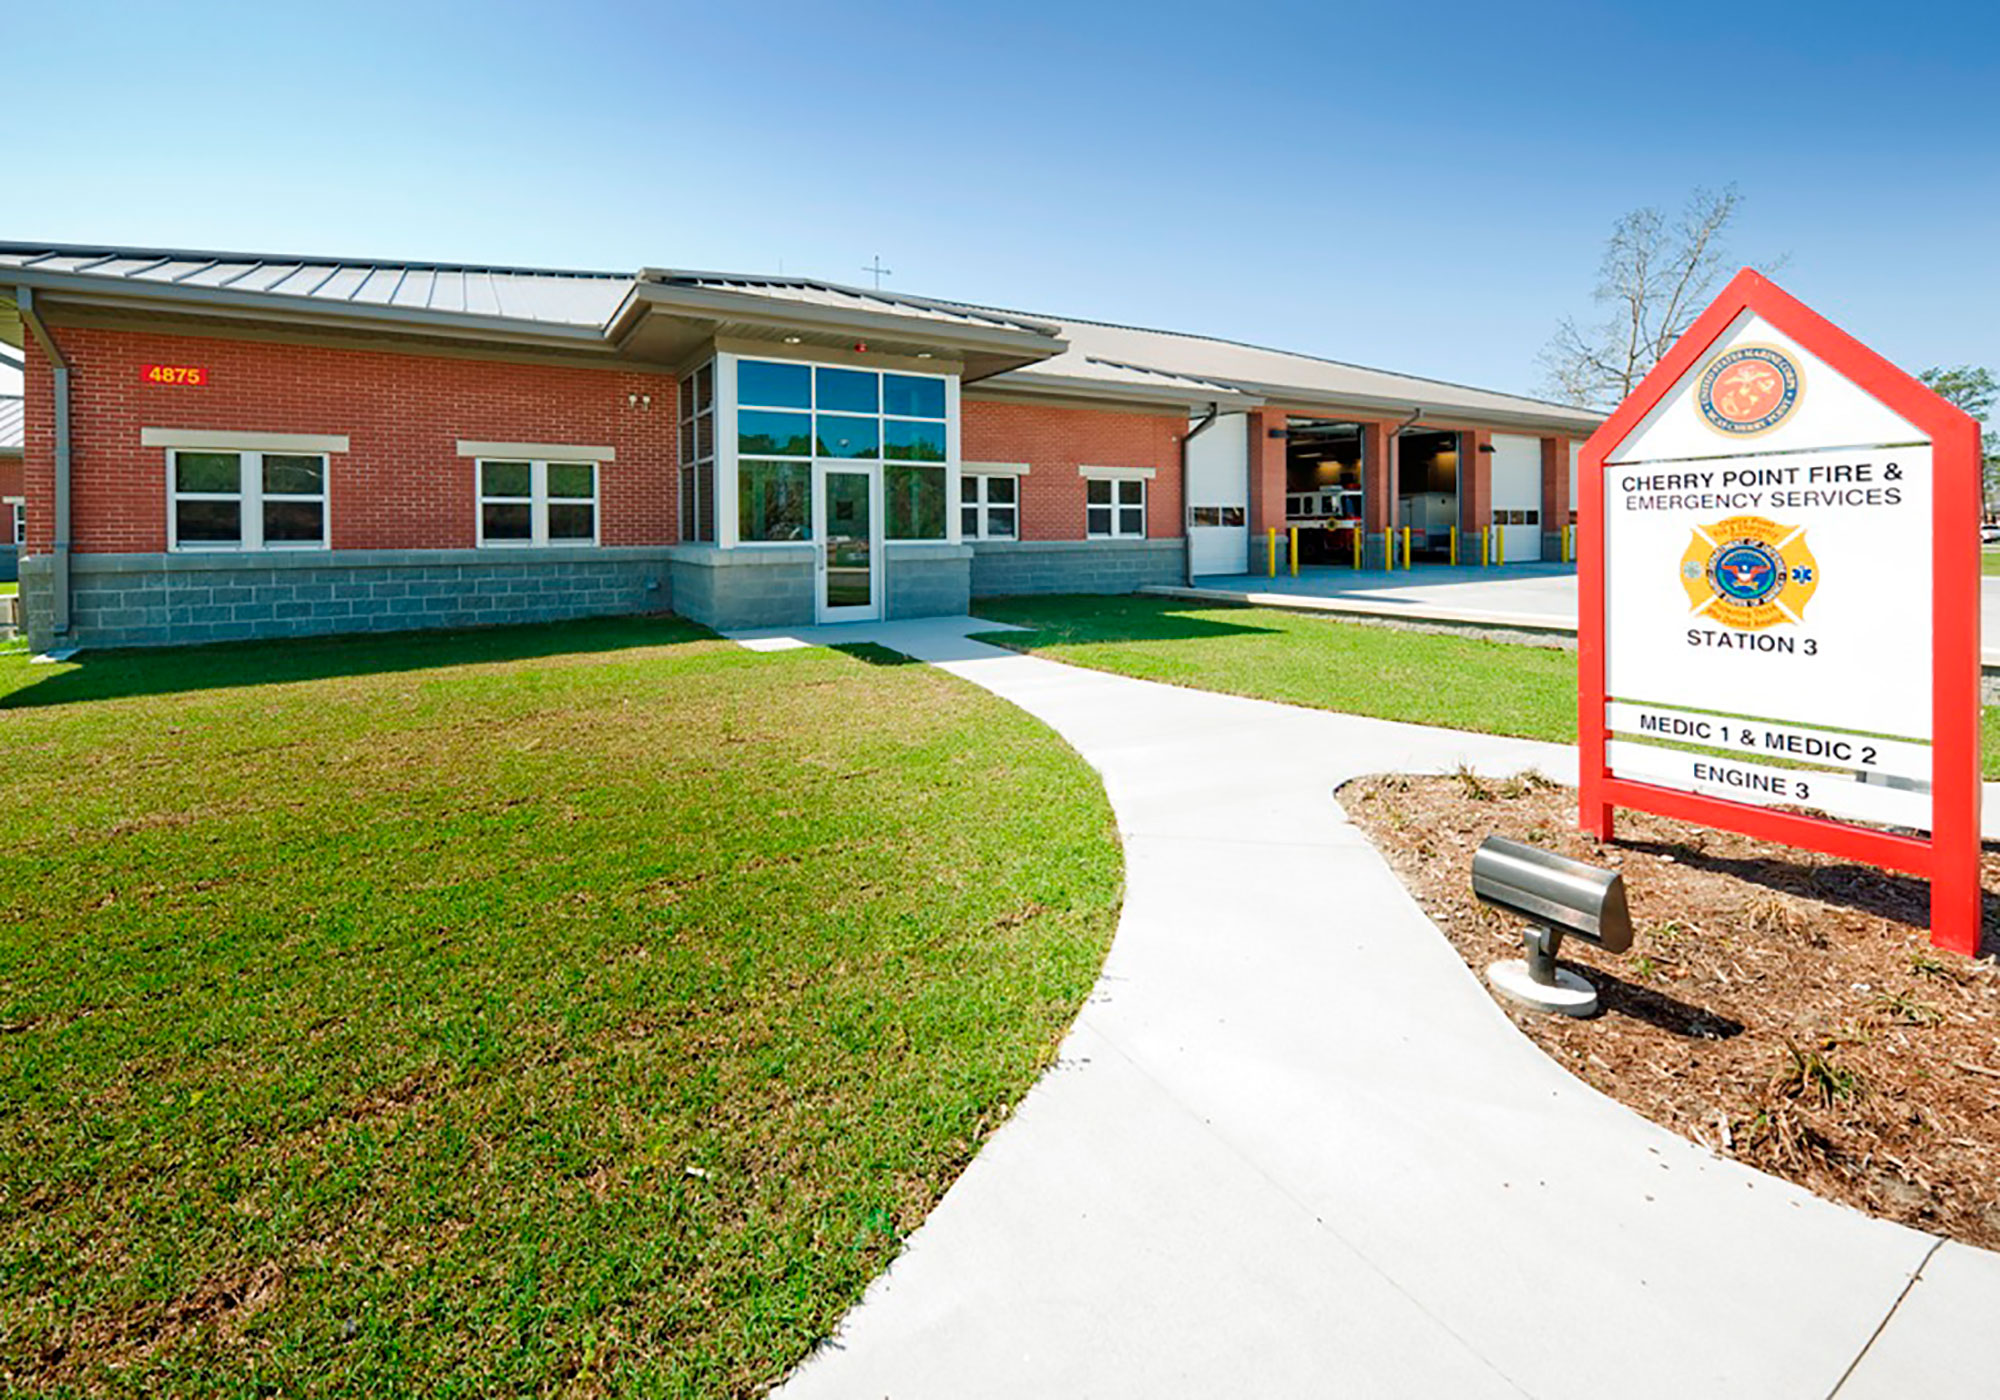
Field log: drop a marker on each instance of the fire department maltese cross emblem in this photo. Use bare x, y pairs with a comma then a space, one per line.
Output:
1748, 390
1749, 572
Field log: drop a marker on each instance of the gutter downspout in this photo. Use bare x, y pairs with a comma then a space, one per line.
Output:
59, 551
1187, 503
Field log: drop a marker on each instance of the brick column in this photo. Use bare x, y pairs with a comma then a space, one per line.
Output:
1555, 496
1267, 473
1378, 489
1475, 490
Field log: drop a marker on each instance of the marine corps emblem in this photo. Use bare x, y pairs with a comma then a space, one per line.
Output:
1749, 572
1748, 390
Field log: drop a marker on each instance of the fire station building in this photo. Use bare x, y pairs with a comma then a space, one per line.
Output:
226, 445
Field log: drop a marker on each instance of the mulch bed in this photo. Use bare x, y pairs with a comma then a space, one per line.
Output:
1777, 1006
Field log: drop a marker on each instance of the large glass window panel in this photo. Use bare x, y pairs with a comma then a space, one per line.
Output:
506, 479
210, 472
772, 502
208, 522
769, 384
572, 481
704, 387
849, 391
761, 433
904, 441
507, 520
910, 396
294, 522
687, 440
573, 521
294, 476
842, 436
915, 501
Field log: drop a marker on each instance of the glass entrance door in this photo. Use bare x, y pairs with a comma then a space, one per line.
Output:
846, 515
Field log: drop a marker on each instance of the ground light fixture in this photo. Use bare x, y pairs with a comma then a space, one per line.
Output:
1556, 896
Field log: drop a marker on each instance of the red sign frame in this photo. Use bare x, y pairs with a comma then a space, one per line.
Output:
1949, 856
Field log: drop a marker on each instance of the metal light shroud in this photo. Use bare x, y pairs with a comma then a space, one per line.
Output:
1562, 895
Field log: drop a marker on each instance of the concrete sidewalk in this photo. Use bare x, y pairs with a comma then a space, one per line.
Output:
1292, 1147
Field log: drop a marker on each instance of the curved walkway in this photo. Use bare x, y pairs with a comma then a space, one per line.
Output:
1292, 1148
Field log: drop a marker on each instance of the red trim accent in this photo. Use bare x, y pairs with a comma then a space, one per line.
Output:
1950, 855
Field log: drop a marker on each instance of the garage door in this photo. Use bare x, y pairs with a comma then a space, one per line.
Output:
1517, 496
1219, 497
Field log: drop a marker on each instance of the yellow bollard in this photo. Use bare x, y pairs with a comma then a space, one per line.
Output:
1567, 527
1454, 545
1485, 548
1406, 546
1389, 549
1273, 533
1355, 536
1295, 551
1499, 546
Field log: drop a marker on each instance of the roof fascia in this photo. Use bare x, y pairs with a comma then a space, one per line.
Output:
1037, 384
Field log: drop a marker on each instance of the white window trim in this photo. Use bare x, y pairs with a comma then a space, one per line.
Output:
1118, 473
538, 502
249, 497
205, 440
980, 507
17, 526
1117, 507
536, 451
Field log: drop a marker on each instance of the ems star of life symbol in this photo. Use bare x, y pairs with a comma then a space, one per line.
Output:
1748, 390
1749, 572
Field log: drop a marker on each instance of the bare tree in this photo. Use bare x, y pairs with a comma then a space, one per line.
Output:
1657, 276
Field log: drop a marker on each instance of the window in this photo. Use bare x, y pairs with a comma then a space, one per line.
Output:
537, 503
1115, 508
914, 497
246, 500
1216, 516
789, 413
697, 402
989, 507
772, 505
17, 521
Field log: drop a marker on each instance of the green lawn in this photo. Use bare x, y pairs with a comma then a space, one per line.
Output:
1303, 659
1989, 560
1421, 677
580, 1010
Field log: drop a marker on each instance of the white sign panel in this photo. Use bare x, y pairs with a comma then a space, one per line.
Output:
1768, 556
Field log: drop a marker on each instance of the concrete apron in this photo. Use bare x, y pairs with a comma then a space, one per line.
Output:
1291, 1145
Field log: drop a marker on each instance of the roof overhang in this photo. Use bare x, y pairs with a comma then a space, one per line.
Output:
60, 290
666, 321
1168, 393
1433, 411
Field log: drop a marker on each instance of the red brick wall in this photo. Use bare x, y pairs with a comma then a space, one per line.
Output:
400, 485
10, 484
1054, 442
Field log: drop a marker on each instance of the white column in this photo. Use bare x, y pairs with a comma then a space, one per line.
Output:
725, 449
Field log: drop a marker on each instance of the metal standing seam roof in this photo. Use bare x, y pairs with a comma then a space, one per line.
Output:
13, 424
1270, 373
814, 292
515, 293
1097, 352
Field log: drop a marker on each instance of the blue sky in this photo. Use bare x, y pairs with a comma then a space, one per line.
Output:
1423, 187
